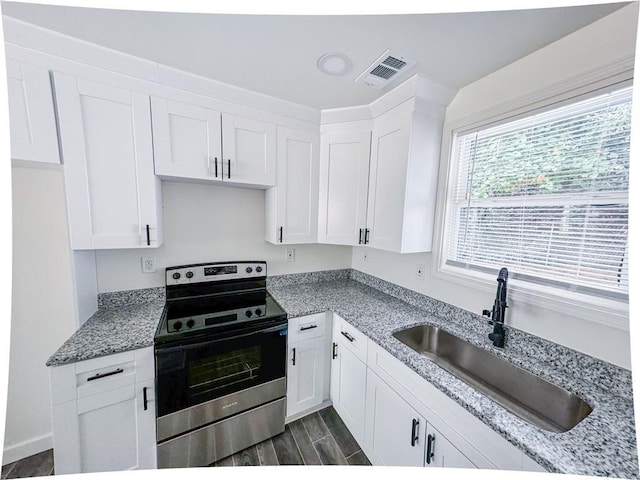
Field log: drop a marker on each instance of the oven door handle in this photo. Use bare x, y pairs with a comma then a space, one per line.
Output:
181, 348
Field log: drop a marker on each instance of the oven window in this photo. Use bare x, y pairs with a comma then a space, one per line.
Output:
211, 373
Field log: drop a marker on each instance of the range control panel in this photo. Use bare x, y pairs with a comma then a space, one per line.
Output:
215, 272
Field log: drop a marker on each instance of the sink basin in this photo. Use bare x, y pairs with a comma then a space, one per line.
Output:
524, 394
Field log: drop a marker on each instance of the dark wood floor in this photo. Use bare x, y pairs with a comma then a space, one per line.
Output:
320, 438
38, 465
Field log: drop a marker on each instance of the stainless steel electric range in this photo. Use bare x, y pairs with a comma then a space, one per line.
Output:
220, 352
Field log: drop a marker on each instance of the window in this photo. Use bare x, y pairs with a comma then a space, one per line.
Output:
546, 196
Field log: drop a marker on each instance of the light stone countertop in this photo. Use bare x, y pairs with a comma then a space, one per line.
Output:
604, 444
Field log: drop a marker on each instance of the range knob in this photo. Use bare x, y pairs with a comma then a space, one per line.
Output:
249, 270
190, 322
258, 269
176, 276
258, 312
177, 325
248, 313
189, 274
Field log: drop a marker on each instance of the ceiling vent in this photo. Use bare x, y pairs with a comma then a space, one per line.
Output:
385, 70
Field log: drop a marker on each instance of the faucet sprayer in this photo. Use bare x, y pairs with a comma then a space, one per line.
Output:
497, 313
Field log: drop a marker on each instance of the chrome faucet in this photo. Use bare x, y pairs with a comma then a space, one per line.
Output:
497, 313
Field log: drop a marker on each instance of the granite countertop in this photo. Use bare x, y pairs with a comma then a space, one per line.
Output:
116, 327
603, 444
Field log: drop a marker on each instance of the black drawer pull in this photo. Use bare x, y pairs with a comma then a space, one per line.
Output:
98, 376
229, 169
144, 397
148, 236
293, 356
360, 237
431, 443
334, 351
414, 431
348, 337
215, 166
302, 329
280, 234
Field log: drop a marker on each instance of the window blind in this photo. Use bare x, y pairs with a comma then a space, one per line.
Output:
547, 197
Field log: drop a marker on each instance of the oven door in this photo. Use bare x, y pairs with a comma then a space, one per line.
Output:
203, 382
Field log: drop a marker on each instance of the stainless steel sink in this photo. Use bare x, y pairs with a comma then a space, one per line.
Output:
526, 395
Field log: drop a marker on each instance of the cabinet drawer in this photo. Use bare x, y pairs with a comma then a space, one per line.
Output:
309, 326
350, 337
102, 374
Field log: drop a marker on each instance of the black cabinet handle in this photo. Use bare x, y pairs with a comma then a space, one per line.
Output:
215, 166
148, 236
144, 397
366, 236
293, 356
360, 237
348, 337
302, 329
431, 443
334, 351
280, 234
98, 376
415, 423
229, 168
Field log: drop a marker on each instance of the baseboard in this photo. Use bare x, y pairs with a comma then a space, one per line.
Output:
308, 411
26, 449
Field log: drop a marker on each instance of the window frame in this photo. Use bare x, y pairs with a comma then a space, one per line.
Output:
607, 311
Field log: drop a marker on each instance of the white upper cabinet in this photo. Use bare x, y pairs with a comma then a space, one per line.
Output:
292, 206
199, 143
32, 120
378, 179
405, 154
249, 151
344, 179
187, 140
114, 198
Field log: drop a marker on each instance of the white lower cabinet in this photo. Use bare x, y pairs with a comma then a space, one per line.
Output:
394, 432
308, 363
348, 380
440, 452
103, 413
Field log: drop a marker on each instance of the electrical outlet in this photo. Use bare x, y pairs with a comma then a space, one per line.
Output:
148, 264
291, 254
420, 271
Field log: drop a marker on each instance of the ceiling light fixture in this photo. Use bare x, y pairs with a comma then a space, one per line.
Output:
334, 63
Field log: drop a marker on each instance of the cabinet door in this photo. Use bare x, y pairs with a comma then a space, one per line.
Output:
293, 203
187, 140
387, 181
305, 375
395, 432
249, 151
103, 413
344, 178
113, 196
32, 121
440, 452
348, 389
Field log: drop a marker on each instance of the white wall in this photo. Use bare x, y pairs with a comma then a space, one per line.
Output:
608, 39
42, 313
204, 223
